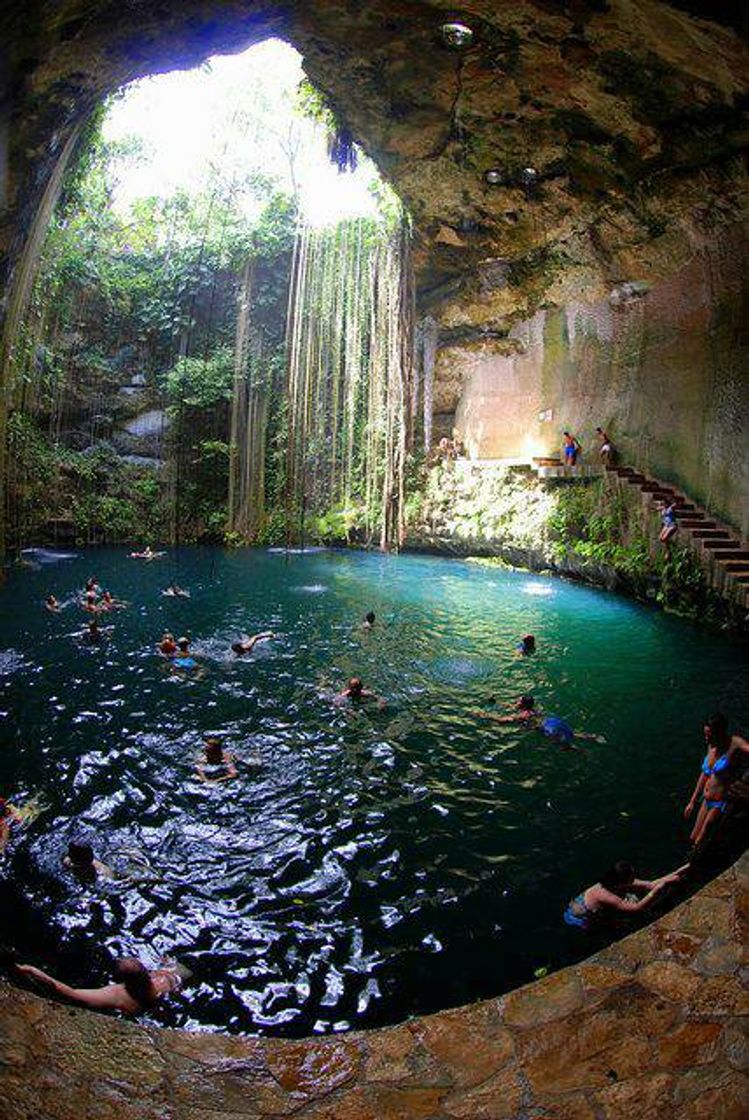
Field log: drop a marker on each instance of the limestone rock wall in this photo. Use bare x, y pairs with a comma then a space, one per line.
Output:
661, 366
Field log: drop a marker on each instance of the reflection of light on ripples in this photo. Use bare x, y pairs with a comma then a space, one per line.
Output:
365, 860
540, 589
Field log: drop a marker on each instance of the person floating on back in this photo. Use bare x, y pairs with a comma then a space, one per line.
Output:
246, 645
134, 990
611, 894
218, 765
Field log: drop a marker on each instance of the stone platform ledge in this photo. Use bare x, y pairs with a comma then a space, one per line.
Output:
650, 1027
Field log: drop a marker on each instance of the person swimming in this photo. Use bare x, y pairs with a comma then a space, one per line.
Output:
80, 859
357, 693
527, 645
52, 604
552, 726
369, 621
109, 603
90, 602
135, 988
610, 894
167, 646
174, 591
184, 659
246, 645
91, 584
93, 634
218, 765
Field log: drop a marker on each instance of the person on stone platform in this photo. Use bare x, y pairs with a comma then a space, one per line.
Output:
606, 448
134, 990
571, 449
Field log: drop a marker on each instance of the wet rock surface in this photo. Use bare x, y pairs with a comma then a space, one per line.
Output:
653, 1026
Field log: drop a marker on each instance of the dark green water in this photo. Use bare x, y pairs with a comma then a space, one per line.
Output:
374, 864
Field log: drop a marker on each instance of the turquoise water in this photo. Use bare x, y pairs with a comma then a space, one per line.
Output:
369, 864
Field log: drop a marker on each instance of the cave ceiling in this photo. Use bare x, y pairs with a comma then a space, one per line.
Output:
614, 130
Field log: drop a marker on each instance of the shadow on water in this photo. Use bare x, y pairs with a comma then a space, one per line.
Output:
369, 864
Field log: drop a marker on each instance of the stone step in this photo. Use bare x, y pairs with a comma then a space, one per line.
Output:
687, 508
654, 488
742, 579
693, 521
734, 567
635, 479
732, 553
710, 534
720, 543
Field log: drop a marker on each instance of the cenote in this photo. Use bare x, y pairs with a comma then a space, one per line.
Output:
368, 865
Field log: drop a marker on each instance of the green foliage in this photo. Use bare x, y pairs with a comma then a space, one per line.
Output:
336, 525
201, 382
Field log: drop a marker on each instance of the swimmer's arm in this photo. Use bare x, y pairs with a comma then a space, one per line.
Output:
499, 719
608, 898
108, 997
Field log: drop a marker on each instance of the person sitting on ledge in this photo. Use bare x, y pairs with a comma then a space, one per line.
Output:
219, 764
527, 645
248, 644
52, 604
618, 890
134, 990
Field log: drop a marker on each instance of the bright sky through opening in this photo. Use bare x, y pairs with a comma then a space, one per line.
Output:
234, 114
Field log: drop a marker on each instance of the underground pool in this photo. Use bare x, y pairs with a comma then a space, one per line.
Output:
367, 864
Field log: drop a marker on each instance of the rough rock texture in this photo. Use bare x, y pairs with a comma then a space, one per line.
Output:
654, 1026
628, 113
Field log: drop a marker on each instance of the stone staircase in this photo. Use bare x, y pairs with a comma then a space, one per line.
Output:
723, 555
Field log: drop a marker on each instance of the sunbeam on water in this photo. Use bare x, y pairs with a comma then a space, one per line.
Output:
367, 863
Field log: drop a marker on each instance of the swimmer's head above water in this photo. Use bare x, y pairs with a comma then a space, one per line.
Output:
214, 749
355, 687
369, 618
526, 703
81, 855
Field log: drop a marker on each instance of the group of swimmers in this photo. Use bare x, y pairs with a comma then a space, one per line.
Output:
135, 988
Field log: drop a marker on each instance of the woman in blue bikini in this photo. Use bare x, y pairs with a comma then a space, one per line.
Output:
611, 893
714, 777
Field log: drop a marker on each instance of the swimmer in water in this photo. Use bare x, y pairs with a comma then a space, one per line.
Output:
527, 645
135, 988
89, 602
248, 644
174, 591
91, 584
218, 765
52, 604
184, 661
369, 621
357, 693
8, 817
610, 894
551, 726
94, 633
80, 860
167, 645
109, 603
